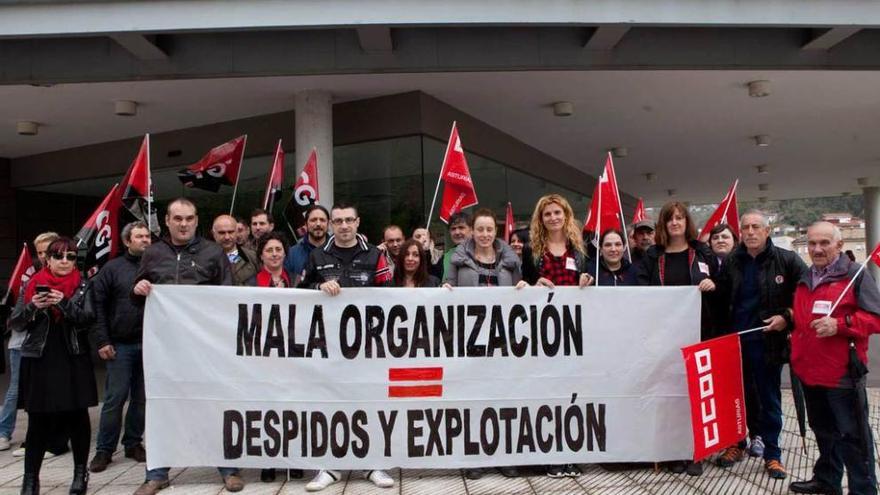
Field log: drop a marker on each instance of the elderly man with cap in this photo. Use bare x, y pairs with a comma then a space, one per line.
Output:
641, 239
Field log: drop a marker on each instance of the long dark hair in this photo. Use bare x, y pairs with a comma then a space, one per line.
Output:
420, 277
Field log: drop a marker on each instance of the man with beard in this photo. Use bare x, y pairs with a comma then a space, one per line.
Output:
317, 219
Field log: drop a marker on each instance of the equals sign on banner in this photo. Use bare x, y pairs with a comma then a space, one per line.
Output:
399, 375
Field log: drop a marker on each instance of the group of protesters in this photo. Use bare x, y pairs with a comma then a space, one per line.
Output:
746, 283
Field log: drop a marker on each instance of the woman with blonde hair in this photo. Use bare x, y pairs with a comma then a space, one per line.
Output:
555, 256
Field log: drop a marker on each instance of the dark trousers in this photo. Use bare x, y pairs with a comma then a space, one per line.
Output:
125, 378
43, 427
832, 416
767, 381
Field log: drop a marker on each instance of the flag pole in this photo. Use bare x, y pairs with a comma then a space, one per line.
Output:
599, 226
846, 289
440, 177
271, 178
238, 177
149, 188
729, 199
622, 217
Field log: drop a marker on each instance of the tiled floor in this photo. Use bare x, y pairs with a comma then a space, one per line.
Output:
123, 476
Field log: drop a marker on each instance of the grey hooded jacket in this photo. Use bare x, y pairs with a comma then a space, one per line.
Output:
465, 272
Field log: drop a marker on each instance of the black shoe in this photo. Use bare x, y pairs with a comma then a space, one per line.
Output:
676, 467
572, 470
473, 474
295, 474
80, 483
30, 484
138, 453
694, 468
509, 471
267, 475
100, 461
813, 486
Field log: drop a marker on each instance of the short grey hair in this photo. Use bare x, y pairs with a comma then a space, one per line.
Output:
765, 220
836, 235
137, 224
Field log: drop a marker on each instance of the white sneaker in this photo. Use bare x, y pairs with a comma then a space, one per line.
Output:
322, 480
19, 452
4, 443
380, 478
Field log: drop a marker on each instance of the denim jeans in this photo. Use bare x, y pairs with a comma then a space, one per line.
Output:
10, 404
767, 379
161, 474
832, 416
125, 380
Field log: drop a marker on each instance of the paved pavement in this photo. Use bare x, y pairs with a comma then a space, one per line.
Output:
123, 476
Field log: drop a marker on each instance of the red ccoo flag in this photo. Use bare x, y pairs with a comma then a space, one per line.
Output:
715, 387
22, 272
458, 189
640, 214
219, 167
99, 237
136, 192
725, 213
508, 223
875, 255
605, 209
276, 180
305, 194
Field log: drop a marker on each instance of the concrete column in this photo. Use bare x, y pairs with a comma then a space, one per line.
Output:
314, 129
872, 225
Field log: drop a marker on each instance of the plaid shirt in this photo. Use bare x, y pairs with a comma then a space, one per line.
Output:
554, 270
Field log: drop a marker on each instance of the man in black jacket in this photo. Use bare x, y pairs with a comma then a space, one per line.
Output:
117, 335
756, 288
183, 258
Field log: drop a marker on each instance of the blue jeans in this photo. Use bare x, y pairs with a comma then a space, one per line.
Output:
832, 416
767, 379
161, 474
125, 378
10, 404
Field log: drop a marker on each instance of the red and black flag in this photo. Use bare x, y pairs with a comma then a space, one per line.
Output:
136, 193
219, 167
276, 180
99, 238
23, 271
305, 194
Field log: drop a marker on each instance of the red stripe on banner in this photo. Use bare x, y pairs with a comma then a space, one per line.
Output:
414, 374
415, 391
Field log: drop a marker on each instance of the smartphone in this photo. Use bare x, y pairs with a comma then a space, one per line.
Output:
42, 289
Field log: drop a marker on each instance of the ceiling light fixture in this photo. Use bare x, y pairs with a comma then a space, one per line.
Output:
759, 89
27, 128
671, 192
619, 152
762, 199
762, 140
763, 187
125, 108
563, 109
845, 193
862, 181
650, 176
762, 169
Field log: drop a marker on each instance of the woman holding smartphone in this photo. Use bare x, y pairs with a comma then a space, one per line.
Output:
57, 383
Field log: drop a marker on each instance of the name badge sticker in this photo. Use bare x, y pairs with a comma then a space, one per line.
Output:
822, 308
703, 267
570, 264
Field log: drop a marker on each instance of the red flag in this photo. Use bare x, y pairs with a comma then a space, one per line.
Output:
715, 387
725, 213
605, 209
875, 255
640, 213
220, 166
23, 271
136, 192
276, 180
458, 190
99, 237
305, 194
508, 223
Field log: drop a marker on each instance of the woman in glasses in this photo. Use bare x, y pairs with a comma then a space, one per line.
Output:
57, 382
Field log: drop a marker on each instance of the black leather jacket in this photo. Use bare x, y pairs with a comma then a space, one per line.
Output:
118, 320
201, 262
363, 271
77, 316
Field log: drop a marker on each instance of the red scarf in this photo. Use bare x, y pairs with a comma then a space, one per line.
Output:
66, 284
264, 279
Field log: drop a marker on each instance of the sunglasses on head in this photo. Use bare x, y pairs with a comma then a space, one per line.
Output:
61, 256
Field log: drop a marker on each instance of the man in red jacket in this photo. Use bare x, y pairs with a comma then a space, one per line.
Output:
821, 357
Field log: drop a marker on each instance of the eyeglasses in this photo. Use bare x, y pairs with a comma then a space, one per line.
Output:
340, 221
61, 256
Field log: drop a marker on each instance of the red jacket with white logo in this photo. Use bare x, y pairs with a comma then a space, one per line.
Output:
823, 361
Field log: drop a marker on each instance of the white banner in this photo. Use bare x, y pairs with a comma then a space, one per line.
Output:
417, 378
